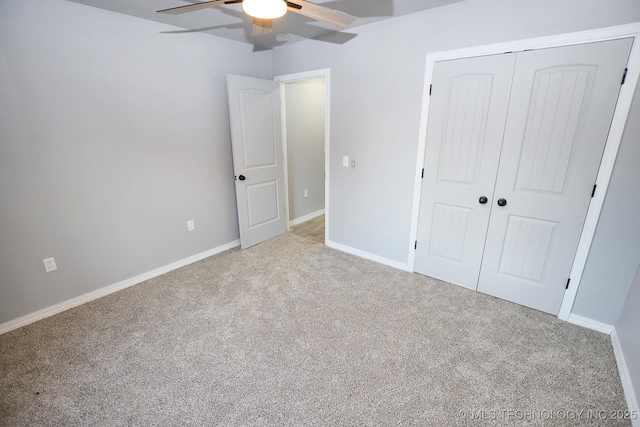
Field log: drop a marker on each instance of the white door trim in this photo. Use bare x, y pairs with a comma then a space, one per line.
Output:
307, 75
611, 149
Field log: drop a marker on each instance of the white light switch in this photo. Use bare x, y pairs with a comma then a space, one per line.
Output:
345, 161
306, 193
191, 225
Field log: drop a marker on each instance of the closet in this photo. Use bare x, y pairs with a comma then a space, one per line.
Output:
514, 143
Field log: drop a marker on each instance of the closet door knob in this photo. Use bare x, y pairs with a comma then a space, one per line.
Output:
483, 200
502, 202
242, 178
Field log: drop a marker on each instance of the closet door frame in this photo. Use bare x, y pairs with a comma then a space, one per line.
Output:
611, 148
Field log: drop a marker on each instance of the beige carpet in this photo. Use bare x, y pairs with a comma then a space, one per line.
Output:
291, 332
312, 229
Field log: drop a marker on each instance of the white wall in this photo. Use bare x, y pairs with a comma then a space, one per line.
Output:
615, 251
628, 333
112, 136
376, 93
305, 112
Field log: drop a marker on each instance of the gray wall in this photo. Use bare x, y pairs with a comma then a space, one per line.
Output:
112, 136
305, 111
615, 251
628, 332
376, 93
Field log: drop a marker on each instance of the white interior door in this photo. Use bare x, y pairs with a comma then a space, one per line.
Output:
468, 109
562, 103
256, 138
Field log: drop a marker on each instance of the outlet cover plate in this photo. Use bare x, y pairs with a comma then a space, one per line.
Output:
49, 264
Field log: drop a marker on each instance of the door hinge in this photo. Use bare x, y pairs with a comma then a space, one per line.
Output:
422, 176
593, 193
568, 280
624, 76
416, 245
430, 87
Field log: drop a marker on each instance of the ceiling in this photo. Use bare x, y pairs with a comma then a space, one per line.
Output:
230, 22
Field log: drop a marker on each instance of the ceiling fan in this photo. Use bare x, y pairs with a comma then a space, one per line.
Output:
264, 11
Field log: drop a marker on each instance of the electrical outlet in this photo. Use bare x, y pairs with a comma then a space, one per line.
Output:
49, 264
306, 193
353, 163
191, 225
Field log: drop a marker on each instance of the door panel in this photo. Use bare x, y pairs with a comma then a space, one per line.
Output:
469, 104
261, 204
561, 108
256, 139
449, 231
257, 122
558, 97
464, 127
526, 245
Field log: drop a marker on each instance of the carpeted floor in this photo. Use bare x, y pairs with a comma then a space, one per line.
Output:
293, 333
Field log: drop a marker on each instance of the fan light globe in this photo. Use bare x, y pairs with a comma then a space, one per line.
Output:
264, 9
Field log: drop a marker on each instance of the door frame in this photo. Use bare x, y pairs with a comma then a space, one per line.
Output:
611, 147
296, 77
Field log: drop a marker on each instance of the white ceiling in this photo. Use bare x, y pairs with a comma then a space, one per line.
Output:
230, 22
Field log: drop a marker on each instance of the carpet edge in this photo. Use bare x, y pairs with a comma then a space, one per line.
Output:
110, 289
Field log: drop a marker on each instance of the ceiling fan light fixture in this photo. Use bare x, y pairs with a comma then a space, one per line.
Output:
265, 9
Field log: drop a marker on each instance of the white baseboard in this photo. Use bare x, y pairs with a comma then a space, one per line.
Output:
590, 323
306, 218
369, 256
627, 385
90, 296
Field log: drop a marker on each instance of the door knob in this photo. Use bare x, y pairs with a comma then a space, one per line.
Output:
502, 202
483, 200
242, 177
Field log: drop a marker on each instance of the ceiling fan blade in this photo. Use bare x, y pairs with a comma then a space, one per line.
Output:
191, 7
261, 26
330, 16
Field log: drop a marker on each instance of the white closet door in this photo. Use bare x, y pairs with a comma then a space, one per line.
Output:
562, 103
469, 103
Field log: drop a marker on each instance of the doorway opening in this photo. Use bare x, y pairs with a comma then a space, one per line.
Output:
305, 129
